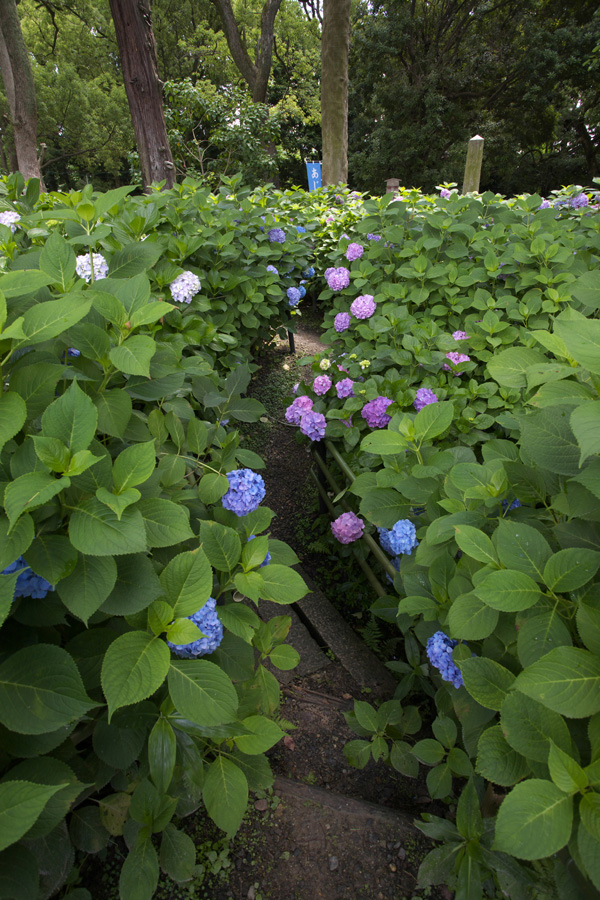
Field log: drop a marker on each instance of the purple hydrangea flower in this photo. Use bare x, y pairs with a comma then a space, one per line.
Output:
211, 627
347, 528
373, 237
342, 322
185, 287
295, 388
28, 583
246, 491
439, 651
73, 351
375, 412
10, 218
273, 270
83, 267
354, 251
337, 279
424, 398
313, 424
321, 384
363, 307
545, 204
579, 201
460, 335
456, 359
297, 409
445, 194
267, 558
345, 388
294, 296
401, 538
276, 235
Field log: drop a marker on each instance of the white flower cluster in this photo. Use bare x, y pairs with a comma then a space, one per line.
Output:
10, 218
185, 287
84, 266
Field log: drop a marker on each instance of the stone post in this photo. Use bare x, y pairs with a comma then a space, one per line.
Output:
392, 185
473, 164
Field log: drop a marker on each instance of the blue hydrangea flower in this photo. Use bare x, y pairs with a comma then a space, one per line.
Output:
276, 235
246, 491
308, 273
506, 507
439, 651
302, 290
273, 270
72, 351
211, 627
300, 229
396, 564
402, 538
267, 558
28, 583
294, 296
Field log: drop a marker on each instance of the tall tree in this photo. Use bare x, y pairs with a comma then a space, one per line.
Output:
20, 90
137, 49
335, 48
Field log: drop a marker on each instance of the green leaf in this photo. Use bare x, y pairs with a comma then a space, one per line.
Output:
589, 810
534, 820
497, 761
475, 543
177, 854
136, 588
187, 582
358, 753
589, 851
52, 557
8, 584
162, 750
84, 591
72, 418
134, 466
581, 338
134, 356
19, 874
571, 569
21, 804
468, 813
384, 443
486, 681
588, 626
118, 502
86, 829
366, 715
565, 772
36, 384
508, 591
166, 523
429, 751
265, 734
52, 453
221, 545
182, 632
109, 307
41, 690
134, 667
16, 543
58, 260
30, 491
585, 423
566, 680
546, 437
47, 320
439, 782
284, 657
529, 727
95, 530
522, 548
150, 313
225, 794
114, 412
508, 368
433, 420
19, 283
202, 692
470, 619
133, 259
212, 486
282, 585
139, 874
13, 413
540, 634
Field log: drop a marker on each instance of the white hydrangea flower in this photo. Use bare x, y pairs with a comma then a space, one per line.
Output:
185, 287
10, 218
83, 266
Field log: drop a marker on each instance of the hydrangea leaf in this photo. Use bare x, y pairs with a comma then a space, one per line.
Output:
534, 820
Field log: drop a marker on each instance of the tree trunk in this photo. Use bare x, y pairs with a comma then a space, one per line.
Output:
137, 49
256, 75
335, 47
20, 89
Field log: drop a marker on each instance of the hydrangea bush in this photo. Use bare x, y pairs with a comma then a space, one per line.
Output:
132, 684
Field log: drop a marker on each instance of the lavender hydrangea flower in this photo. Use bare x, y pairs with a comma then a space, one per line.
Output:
185, 287
401, 538
373, 237
337, 279
354, 251
267, 558
321, 384
375, 412
10, 218
579, 201
297, 409
342, 322
424, 398
295, 388
460, 335
28, 583
445, 194
345, 388
246, 491
273, 270
545, 204
211, 627
439, 651
347, 528
363, 307
313, 424
83, 267
276, 235
294, 296
456, 359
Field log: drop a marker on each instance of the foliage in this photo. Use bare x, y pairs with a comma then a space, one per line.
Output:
499, 476
114, 466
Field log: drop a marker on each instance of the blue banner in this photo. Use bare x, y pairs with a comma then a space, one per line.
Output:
314, 175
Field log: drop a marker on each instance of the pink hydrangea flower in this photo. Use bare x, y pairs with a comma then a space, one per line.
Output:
354, 251
347, 528
460, 335
424, 398
321, 384
297, 409
313, 425
375, 414
345, 388
363, 307
342, 321
337, 279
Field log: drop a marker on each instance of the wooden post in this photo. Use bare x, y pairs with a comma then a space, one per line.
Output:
473, 164
392, 185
